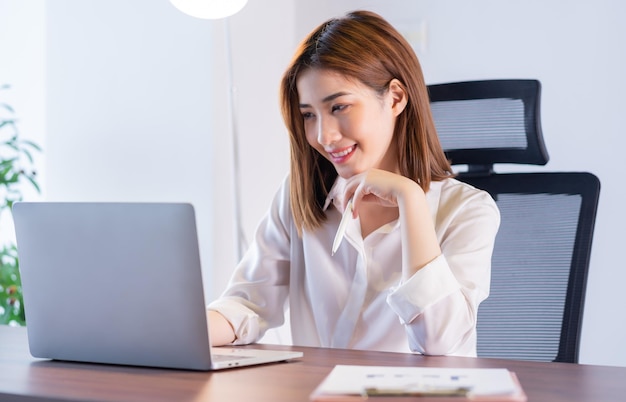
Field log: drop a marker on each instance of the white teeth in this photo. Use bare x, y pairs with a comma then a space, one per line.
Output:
342, 153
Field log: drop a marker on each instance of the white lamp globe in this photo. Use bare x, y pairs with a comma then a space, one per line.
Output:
209, 9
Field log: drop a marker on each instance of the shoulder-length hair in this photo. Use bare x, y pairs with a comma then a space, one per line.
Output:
363, 46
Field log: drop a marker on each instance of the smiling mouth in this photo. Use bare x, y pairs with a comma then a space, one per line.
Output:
340, 155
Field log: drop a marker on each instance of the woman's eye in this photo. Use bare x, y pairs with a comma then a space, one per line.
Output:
307, 115
338, 108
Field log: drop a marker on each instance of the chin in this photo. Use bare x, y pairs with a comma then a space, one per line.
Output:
348, 173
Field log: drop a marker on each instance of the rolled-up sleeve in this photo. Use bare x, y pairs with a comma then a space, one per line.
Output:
428, 286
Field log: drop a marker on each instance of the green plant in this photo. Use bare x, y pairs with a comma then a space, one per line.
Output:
16, 167
11, 303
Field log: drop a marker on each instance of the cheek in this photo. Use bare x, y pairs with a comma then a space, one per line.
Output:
376, 135
310, 135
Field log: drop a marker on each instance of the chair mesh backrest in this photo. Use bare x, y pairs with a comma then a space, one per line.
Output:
537, 236
541, 254
481, 123
539, 265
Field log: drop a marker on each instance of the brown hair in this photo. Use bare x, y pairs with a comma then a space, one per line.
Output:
363, 46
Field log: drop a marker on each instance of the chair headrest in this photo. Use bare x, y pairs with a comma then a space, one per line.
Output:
481, 123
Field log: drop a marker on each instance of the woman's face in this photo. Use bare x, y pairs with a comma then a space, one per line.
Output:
348, 123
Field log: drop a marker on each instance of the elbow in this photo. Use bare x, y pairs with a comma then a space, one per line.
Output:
448, 342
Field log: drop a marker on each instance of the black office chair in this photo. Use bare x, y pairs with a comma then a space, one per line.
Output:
541, 255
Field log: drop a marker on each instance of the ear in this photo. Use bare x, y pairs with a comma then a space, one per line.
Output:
398, 95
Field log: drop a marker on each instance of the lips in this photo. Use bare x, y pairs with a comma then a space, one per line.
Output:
340, 156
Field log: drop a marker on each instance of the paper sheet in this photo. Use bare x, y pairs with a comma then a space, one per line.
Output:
353, 380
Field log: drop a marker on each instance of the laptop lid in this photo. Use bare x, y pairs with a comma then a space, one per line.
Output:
117, 283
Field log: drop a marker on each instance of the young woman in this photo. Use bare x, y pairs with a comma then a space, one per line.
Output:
416, 258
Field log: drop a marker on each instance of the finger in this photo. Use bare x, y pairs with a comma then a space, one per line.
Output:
357, 197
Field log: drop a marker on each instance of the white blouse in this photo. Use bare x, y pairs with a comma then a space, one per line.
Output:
355, 299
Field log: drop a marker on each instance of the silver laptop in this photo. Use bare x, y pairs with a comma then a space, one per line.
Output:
119, 283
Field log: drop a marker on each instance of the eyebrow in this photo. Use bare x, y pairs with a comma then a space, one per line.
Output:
326, 99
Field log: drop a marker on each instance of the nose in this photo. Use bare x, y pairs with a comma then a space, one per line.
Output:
327, 131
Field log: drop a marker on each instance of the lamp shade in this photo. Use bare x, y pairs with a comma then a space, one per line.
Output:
209, 9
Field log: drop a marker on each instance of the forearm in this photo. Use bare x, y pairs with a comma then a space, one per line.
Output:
419, 241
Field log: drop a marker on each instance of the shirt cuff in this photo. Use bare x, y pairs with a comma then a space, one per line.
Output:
426, 287
245, 322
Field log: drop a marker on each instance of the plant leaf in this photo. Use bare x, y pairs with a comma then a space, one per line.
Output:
34, 183
31, 144
27, 154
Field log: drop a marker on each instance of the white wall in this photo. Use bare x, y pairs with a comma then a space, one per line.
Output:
137, 104
129, 105
137, 99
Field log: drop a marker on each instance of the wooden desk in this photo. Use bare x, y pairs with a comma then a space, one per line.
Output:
23, 378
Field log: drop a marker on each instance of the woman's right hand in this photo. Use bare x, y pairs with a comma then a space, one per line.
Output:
220, 330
